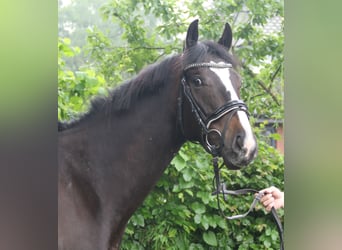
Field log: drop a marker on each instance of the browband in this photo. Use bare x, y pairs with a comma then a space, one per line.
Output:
205, 64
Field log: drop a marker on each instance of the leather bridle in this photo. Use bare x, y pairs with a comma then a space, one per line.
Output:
203, 119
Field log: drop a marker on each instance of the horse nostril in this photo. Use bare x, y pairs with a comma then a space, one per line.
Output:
239, 141
239, 145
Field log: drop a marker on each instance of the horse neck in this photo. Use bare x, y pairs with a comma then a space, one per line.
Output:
137, 144
151, 123
150, 126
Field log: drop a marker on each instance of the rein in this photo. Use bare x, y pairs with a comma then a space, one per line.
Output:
221, 189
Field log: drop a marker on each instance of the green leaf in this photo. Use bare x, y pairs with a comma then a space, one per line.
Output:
198, 208
139, 220
274, 235
205, 196
187, 174
267, 243
275, 136
184, 156
172, 233
197, 218
178, 162
239, 237
210, 238
205, 222
221, 222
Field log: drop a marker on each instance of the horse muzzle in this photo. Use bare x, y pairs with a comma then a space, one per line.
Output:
236, 157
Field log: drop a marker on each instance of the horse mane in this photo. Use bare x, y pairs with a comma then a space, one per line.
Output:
148, 82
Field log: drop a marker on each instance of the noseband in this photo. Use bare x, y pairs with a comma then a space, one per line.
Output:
206, 120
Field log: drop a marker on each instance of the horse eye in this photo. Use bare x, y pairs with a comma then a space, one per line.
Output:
197, 82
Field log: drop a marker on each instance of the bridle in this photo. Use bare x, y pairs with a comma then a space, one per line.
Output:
203, 119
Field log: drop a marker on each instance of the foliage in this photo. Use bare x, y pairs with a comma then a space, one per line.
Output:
75, 88
75, 18
181, 213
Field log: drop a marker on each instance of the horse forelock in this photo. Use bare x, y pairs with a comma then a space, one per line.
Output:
208, 49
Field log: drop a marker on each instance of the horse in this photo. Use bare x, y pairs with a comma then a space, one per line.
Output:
111, 157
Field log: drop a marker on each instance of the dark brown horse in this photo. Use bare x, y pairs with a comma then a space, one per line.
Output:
111, 157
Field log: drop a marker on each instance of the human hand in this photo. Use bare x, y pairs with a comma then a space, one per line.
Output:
273, 197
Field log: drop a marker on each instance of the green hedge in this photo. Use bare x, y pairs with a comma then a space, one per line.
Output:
181, 213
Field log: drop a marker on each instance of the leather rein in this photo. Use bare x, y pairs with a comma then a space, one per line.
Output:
205, 121
220, 188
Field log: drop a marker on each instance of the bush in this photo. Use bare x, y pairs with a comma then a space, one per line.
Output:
181, 213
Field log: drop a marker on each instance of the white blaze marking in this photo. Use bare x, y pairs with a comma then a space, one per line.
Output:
224, 75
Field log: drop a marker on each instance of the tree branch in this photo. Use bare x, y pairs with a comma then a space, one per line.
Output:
261, 84
255, 96
274, 75
143, 47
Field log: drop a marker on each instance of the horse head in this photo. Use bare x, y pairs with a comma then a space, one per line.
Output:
213, 112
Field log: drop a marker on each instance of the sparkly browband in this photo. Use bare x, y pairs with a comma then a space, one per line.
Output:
214, 65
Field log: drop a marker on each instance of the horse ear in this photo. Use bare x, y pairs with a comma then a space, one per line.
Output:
192, 34
227, 37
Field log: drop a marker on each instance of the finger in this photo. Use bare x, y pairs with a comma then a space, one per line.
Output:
277, 204
260, 195
265, 191
269, 190
269, 207
266, 197
268, 202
